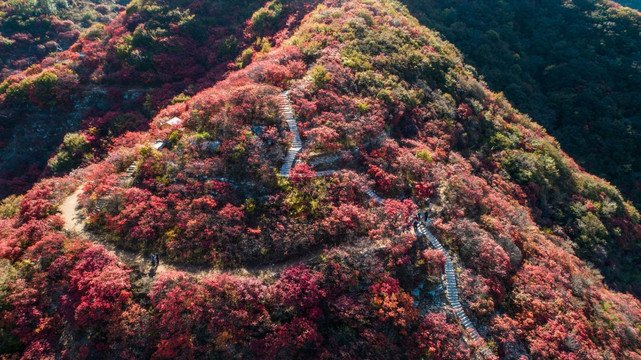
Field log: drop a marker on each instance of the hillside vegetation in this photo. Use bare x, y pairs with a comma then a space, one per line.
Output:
115, 77
32, 30
394, 108
571, 65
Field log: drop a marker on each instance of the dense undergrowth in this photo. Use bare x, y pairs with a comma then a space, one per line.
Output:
33, 30
115, 77
571, 65
393, 104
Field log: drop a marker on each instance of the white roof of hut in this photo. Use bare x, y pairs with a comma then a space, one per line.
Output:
174, 121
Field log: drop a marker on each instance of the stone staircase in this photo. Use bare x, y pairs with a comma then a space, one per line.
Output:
326, 172
126, 178
288, 113
123, 180
372, 195
452, 289
100, 204
450, 274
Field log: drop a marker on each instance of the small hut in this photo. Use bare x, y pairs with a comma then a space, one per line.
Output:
172, 122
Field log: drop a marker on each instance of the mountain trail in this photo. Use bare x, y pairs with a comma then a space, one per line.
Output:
74, 224
451, 288
292, 123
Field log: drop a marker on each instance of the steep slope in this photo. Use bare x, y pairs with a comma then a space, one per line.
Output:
114, 78
32, 30
635, 4
571, 65
386, 111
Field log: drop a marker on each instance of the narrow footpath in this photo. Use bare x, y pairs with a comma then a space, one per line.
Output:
74, 225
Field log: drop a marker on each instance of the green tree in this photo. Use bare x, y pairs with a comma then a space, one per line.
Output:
71, 153
319, 75
267, 16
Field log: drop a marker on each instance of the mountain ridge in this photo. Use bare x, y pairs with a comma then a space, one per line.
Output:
392, 104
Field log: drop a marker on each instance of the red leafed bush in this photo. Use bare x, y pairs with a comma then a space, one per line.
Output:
298, 287
323, 138
439, 339
299, 338
276, 74
434, 261
98, 287
392, 306
9, 244
384, 180
36, 204
344, 220
423, 190
301, 174
178, 302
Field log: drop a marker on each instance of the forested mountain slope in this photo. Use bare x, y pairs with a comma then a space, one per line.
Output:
395, 110
635, 4
115, 77
574, 66
32, 30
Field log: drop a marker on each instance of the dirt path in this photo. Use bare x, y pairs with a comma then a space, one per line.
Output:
74, 224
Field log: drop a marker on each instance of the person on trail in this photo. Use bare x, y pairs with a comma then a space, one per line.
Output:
157, 260
152, 260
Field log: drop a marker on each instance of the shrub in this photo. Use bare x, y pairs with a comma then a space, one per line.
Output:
70, 154
265, 17
180, 98
228, 46
203, 136
362, 107
424, 155
10, 206
319, 75
44, 85
245, 58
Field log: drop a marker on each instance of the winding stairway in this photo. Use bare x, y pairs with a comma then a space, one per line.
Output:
450, 274
74, 223
421, 228
451, 288
372, 195
297, 145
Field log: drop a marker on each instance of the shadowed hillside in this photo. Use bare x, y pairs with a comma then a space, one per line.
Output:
571, 65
